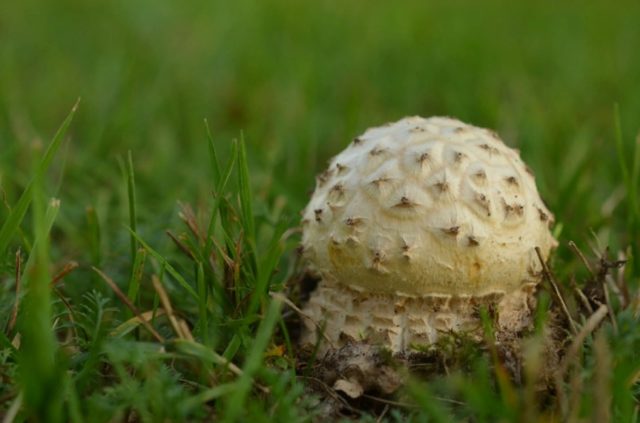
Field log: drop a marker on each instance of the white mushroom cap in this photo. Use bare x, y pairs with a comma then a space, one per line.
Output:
427, 208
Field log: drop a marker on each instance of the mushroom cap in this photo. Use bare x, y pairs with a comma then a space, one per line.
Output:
427, 207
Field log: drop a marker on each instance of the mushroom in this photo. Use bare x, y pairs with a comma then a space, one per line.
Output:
414, 227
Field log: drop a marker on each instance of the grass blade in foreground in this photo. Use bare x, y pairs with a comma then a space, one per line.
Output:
11, 225
237, 400
39, 370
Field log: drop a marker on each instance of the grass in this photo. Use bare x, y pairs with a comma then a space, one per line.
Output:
194, 222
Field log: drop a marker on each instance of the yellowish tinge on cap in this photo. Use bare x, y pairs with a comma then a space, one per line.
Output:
427, 206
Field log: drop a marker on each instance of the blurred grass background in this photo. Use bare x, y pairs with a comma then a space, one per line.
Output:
301, 79
298, 80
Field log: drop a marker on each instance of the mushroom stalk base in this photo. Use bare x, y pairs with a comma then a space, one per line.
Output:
336, 314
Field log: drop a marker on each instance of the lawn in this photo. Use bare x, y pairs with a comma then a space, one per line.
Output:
172, 190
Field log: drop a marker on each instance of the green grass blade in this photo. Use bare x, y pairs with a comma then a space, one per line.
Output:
219, 194
226, 175
131, 196
73, 402
213, 155
199, 351
15, 217
267, 266
202, 304
253, 362
136, 276
246, 202
38, 368
165, 264
233, 346
49, 218
209, 395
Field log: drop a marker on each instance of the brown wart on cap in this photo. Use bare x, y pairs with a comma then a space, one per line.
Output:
427, 270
